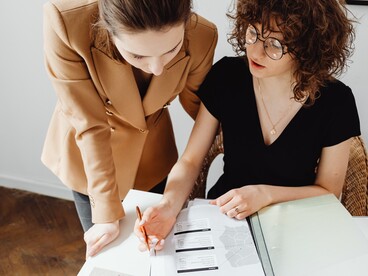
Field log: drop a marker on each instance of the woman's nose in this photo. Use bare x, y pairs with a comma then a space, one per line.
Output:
258, 48
156, 66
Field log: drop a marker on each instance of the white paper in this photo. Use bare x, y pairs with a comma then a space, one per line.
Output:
198, 201
206, 242
97, 271
122, 255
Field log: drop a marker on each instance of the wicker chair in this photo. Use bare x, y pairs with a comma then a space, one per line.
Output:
355, 192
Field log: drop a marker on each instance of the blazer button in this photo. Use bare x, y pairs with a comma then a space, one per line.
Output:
166, 105
108, 112
112, 129
91, 201
108, 102
143, 130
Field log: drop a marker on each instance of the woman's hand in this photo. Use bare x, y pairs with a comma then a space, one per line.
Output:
99, 235
158, 222
242, 202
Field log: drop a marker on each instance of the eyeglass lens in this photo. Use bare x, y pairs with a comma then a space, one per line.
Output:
272, 46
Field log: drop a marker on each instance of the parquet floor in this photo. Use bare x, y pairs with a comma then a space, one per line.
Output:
39, 235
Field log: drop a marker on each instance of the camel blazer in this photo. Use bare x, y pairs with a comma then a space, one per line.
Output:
103, 139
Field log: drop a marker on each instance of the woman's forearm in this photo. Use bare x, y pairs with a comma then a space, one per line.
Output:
278, 194
179, 184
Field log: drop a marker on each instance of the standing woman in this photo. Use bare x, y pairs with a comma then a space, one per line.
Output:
287, 121
116, 65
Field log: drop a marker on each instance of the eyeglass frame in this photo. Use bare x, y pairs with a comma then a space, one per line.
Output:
264, 40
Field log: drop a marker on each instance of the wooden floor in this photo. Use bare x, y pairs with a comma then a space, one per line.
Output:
39, 235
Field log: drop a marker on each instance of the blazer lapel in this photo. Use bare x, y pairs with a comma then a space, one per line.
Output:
118, 83
162, 88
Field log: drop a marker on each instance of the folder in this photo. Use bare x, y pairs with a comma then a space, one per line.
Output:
309, 237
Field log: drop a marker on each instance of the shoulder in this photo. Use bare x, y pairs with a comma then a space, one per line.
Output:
338, 113
70, 11
337, 85
70, 5
200, 25
334, 98
201, 34
233, 67
71, 20
231, 62
336, 92
227, 71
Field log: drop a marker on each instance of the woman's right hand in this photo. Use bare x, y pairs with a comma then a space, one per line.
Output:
158, 221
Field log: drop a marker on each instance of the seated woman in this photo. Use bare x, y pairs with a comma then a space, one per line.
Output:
287, 122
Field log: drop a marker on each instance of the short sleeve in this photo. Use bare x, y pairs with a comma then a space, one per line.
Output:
210, 90
343, 121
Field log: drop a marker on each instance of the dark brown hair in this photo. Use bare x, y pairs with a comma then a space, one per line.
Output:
318, 34
137, 16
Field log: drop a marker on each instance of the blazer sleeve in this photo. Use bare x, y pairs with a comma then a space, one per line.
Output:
83, 109
202, 43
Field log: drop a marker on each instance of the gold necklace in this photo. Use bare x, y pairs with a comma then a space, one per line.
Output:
273, 130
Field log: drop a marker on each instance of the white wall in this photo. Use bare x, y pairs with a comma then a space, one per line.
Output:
28, 98
357, 74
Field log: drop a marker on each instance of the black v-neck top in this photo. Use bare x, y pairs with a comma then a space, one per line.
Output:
291, 160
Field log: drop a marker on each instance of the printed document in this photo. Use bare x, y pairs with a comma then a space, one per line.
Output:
206, 242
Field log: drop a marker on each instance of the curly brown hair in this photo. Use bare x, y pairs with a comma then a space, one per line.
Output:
318, 34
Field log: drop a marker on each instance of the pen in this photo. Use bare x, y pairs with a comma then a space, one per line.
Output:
143, 230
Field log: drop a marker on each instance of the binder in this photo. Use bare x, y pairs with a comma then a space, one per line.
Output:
259, 241
309, 237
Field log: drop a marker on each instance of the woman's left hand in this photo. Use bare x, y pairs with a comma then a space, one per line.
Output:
100, 235
242, 202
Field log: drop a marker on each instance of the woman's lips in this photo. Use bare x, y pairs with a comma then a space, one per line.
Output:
256, 65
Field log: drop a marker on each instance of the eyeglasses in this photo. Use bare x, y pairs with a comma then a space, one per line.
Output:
272, 46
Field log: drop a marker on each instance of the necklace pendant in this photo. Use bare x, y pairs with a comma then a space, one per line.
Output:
273, 131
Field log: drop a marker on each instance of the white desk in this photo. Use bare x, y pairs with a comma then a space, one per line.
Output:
362, 223
122, 254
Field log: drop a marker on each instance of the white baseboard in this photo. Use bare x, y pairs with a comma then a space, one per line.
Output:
58, 190
48, 189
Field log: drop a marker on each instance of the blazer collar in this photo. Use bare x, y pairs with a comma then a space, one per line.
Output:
117, 81
162, 88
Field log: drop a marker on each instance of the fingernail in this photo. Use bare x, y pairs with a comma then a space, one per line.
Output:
162, 242
154, 241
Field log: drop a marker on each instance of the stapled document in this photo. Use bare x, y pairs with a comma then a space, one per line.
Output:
204, 240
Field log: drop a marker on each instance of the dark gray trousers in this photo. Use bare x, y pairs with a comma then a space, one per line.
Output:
83, 205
